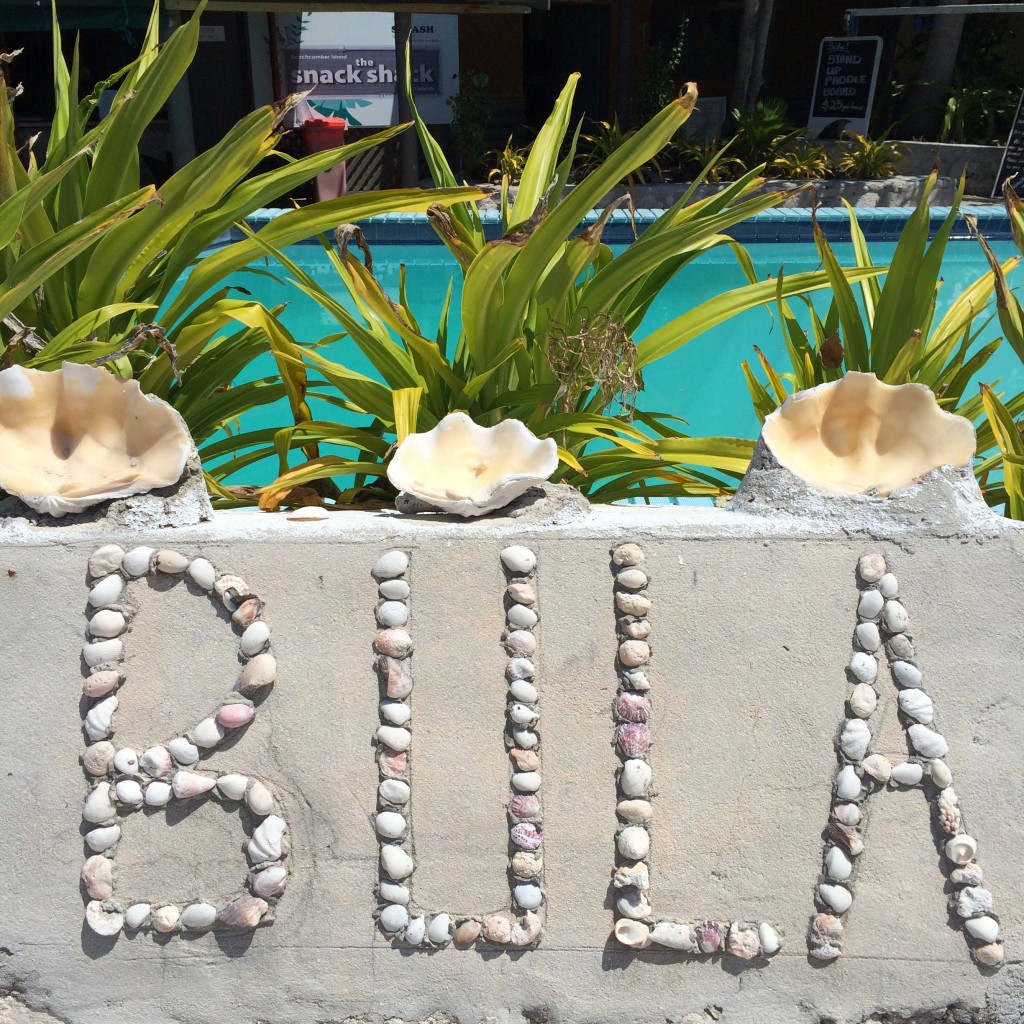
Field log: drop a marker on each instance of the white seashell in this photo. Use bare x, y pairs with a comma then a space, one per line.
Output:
878, 767
203, 574
107, 623
871, 568
634, 842
99, 804
674, 936
394, 737
917, 704
525, 738
527, 865
394, 791
395, 711
522, 617
393, 892
973, 901
637, 935
390, 824
259, 799
73, 437
518, 559
628, 554
635, 778
632, 876
189, 784
137, 561
527, 895
771, 940
182, 751
271, 881
888, 586
101, 839
961, 849
389, 565
198, 916
255, 638
895, 617
471, 470
101, 919
105, 559
838, 897
863, 667
308, 514
440, 929
632, 604
523, 714
158, 794
208, 733
847, 783
129, 792
126, 761
847, 814
259, 672
156, 762
137, 915
863, 700
907, 774
868, 636
99, 719
394, 590
393, 918
838, 865
857, 435
233, 786
393, 613
927, 742
633, 904
106, 592
97, 758
632, 579
166, 919
526, 782
395, 862
268, 840
171, 562
415, 930
906, 674
636, 812
870, 604
102, 652
984, 928
854, 739
523, 691
940, 774
231, 590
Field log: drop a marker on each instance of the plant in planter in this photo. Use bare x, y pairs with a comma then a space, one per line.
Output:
864, 158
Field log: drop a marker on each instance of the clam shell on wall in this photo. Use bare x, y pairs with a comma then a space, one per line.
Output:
73, 437
470, 470
857, 435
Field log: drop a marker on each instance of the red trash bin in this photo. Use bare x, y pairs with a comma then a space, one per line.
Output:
318, 134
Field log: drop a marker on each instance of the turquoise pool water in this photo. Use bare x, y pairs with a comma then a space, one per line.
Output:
701, 382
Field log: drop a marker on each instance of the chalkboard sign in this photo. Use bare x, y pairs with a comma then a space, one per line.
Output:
1012, 163
844, 86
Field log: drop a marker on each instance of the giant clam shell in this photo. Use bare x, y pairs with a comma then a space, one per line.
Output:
471, 470
73, 437
857, 435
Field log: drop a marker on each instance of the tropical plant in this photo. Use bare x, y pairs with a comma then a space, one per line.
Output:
893, 332
864, 158
658, 82
802, 159
508, 163
762, 131
601, 142
88, 257
471, 109
690, 158
977, 113
548, 335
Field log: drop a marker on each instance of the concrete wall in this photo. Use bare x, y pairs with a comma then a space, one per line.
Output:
752, 621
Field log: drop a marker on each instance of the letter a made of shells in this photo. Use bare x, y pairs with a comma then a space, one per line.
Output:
882, 619
396, 914
123, 779
636, 925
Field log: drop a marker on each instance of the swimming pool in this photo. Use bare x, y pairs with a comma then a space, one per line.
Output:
702, 382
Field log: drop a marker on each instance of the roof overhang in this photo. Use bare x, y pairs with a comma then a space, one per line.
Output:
397, 6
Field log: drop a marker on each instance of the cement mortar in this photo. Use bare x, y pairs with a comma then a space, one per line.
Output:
752, 623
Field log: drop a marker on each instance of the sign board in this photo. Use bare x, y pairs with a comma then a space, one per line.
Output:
1012, 163
347, 63
844, 85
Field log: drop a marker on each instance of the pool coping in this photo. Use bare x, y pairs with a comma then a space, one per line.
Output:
882, 224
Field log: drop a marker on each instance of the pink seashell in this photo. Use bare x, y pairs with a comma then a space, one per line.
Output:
393, 763
98, 876
633, 739
394, 643
709, 936
271, 881
524, 806
247, 612
244, 912
635, 629
633, 707
520, 643
498, 929
526, 836
396, 677
233, 716
189, 784
99, 684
